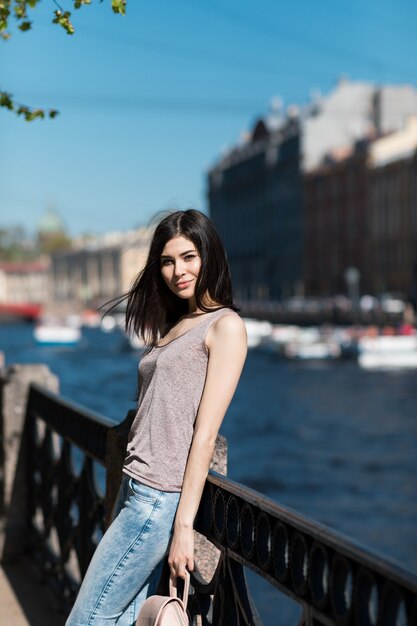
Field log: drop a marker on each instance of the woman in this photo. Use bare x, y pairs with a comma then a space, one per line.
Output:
181, 305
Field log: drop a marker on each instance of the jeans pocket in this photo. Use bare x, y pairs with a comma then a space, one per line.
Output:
143, 492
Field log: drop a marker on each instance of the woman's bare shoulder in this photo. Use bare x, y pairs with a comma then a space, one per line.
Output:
228, 327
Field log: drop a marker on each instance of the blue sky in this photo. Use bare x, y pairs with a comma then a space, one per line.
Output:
148, 101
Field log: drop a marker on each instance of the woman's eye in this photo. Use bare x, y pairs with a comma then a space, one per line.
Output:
166, 261
189, 257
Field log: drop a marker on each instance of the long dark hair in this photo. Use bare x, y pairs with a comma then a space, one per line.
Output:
152, 308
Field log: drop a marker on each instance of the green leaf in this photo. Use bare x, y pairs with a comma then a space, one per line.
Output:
20, 11
30, 114
38, 113
24, 26
119, 6
26, 112
6, 100
22, 110
62, 18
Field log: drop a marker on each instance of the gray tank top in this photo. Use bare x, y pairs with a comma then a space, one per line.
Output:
171, 383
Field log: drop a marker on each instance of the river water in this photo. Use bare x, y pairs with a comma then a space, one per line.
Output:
329, 440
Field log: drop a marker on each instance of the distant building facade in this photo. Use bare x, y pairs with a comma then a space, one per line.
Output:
293, 202
24, 282
100, 269
336, 224
255, 202
361, 212
392, 212
351, 112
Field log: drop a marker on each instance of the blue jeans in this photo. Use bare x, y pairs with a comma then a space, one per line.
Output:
127, 563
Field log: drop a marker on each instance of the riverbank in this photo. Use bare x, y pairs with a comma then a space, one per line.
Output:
328, 439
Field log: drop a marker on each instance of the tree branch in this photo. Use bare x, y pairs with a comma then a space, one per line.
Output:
19, 10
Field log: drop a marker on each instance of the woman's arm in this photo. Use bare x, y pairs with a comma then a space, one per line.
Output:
227, 344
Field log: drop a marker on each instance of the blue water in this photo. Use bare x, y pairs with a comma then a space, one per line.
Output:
330, 440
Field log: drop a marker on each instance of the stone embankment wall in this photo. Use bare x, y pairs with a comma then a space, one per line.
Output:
14, 388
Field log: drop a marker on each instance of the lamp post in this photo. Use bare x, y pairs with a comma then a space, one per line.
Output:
352, 276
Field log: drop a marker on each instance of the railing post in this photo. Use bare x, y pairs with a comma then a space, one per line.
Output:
14, 387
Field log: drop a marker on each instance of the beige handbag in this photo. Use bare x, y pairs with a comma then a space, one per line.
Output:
166, 610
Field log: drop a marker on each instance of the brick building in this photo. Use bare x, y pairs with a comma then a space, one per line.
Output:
361, 211
335, 218
392, 212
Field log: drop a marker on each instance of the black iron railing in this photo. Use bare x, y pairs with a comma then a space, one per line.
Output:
336, 580
65, 443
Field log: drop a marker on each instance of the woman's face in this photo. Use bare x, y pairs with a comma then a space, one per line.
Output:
180, 266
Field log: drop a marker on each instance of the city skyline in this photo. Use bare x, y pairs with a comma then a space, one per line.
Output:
149, 101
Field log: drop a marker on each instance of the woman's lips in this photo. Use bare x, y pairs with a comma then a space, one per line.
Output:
183, 284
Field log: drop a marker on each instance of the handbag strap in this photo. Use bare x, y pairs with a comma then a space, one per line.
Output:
173, 590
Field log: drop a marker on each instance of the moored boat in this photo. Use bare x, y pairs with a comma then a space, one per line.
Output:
56, 334
385, 352
312, 344
256, 331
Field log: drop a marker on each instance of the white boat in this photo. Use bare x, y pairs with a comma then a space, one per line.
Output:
311, 345
397, 351
113, 321
108, 323
320, 350
56, 334
279, 337
256, 331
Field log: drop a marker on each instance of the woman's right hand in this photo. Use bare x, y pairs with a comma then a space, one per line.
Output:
181, 552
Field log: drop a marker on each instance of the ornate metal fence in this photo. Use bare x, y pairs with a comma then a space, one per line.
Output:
334, 579
64, 442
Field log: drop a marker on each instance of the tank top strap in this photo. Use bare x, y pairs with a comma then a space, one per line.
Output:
211, 318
